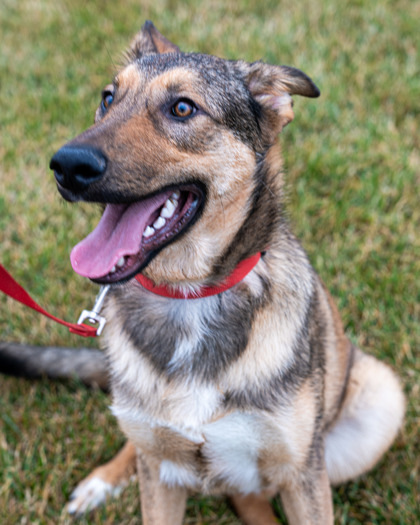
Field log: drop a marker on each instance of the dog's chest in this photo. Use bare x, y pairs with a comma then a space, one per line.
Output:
182, 424
214, 456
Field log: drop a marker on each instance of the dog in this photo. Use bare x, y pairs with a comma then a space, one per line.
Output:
229, 368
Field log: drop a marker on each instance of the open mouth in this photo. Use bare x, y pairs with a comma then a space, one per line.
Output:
128, 236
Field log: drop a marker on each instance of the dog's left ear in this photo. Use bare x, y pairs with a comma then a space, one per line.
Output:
149, 41
272, 87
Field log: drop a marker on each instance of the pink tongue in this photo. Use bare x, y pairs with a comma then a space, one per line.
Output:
118, 233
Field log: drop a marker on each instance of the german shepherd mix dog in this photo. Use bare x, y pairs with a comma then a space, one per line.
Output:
229, 368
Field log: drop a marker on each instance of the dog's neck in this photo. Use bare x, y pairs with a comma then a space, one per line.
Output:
239, 273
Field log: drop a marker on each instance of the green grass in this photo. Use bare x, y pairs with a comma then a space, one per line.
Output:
353, 173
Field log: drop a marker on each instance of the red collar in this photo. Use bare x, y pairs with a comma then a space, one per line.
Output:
13, 289
243, 269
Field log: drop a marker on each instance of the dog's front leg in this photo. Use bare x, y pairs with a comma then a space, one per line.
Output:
160, 504
308, 500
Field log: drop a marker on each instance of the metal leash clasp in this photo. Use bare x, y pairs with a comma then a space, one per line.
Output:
93, 315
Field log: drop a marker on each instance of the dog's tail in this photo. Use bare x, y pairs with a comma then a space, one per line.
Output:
88, 366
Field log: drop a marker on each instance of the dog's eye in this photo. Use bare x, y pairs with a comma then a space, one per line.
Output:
183, 109
107, 100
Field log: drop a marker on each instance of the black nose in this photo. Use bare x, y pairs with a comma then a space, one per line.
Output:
76, 167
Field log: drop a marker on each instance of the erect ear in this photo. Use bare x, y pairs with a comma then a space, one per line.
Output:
149, 41
272, 87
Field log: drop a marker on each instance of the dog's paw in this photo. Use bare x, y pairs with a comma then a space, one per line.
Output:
91, 493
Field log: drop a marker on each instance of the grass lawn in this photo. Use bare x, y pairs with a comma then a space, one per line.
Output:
353, 172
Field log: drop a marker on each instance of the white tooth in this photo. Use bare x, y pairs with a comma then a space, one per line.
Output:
168, 210
113, 269
121, 261
159, 223
148, 231
176, 195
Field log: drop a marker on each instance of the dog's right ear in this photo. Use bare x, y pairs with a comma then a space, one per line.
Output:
149, 41
273, 86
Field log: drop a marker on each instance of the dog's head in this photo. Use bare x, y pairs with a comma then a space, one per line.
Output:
181, 154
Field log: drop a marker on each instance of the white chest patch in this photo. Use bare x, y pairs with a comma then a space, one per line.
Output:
232, 448
230, 451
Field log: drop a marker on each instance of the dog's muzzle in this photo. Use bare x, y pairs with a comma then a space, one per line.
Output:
77, 167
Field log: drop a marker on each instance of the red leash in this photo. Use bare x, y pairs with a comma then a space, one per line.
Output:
11, 288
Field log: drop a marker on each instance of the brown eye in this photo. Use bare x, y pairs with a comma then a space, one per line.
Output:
107, 100
183, 109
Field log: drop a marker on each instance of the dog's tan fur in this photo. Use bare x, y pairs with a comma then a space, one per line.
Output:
256, 391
